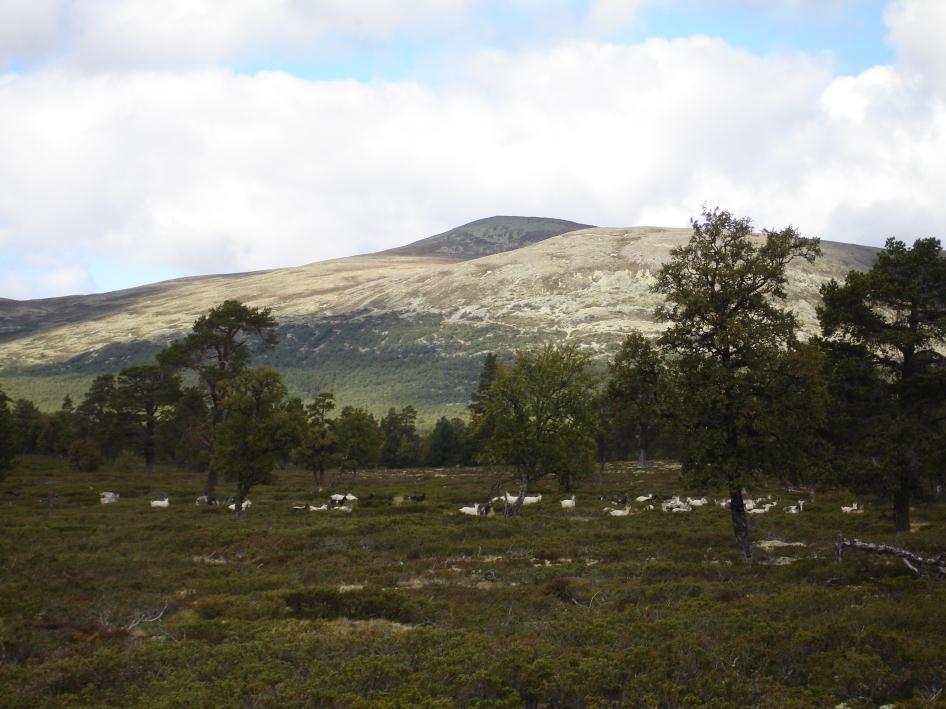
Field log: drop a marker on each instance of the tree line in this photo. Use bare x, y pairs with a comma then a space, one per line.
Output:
728, 388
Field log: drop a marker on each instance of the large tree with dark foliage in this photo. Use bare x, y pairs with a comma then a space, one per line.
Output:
9, 440
259, 427
140, 394
401, 447
540, 417
749, 397
218, 348
448, 444
359, 439
636, 388
886, 330
318, 446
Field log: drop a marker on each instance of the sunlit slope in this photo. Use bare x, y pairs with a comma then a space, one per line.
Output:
592, 281
389, 328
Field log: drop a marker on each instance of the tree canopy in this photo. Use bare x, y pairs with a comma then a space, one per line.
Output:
540, 417
749, 397
885, 330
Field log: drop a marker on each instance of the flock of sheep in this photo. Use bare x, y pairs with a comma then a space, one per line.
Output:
342, 502
666, 503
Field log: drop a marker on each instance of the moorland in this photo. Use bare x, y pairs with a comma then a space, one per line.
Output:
419, 605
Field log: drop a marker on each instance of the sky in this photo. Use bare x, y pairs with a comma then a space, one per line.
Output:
144, 140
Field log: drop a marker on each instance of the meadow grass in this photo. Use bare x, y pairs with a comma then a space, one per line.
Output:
418, 605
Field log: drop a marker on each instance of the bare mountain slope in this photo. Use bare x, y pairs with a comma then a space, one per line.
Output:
594, 281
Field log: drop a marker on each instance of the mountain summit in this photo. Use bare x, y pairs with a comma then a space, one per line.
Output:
485, 237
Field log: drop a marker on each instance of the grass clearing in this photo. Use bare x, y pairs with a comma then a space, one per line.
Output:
419, 605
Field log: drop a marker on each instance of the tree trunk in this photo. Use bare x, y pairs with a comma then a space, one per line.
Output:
149, 443
740, 523
642, 445
516, 507
211, 490
901, 510
320, 477
149, 459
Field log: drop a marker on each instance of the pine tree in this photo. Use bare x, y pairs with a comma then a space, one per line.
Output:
886, 329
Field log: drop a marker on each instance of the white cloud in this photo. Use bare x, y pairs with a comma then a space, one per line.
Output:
211, 171
204, 170
916, 32
109, 34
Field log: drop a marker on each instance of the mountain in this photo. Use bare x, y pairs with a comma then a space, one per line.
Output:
485, 237
386, 329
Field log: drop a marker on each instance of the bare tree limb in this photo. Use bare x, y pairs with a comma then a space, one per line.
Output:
921, 566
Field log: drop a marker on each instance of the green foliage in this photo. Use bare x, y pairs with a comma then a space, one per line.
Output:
749, 398
10, 441
401, 446
28, 421
885, 331
637, 389
185, 430
257, 428
141, 394
357, 604
96, 418
84, 455
540, 416
57, 433
318, 445
217, 350
449, 444
359, 439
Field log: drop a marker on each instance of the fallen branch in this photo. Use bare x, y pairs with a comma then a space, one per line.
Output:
921, 566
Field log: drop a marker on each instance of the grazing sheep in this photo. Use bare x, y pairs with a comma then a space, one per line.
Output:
683, 507
644, 498
796, 508
246, 505
568, 504
318, 508
342, 508
202, 500
474, 510
619, 513
853, 509
672, 504
300, 508
697, 502
107, 498
531, 500
165, 503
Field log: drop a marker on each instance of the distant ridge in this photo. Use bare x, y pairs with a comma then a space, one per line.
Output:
489, 236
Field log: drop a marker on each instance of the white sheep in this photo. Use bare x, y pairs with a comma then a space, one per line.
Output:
246, 505
107, 498
619, 513
853, 509
474, 510
644, 498
164, 504
531, 500
696, 502
568, 504
796, 508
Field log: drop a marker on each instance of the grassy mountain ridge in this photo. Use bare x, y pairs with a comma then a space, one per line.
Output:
387, 329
